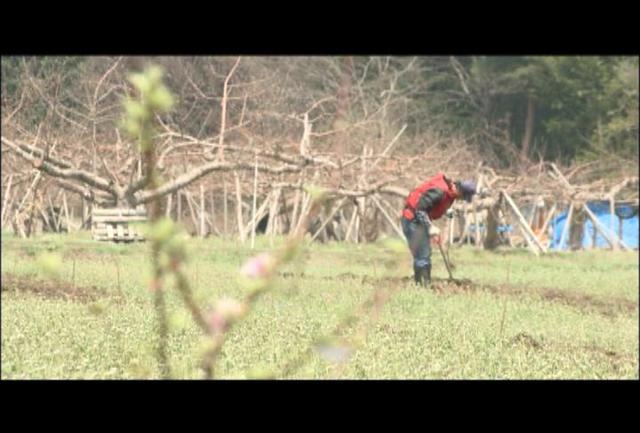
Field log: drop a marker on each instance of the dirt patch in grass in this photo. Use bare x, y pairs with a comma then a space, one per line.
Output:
82, 253
342, 276
610, 306
615, 357
526, 340
617, 360
50, 288
603, 351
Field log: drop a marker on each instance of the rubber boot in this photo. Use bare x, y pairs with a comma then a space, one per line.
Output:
426, 274
418, 276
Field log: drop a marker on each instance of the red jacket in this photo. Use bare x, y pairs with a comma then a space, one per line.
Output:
440, 182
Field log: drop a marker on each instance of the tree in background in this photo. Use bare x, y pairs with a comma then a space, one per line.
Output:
557, 108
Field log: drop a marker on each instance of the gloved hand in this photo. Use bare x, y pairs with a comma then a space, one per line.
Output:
449, 213
422, 218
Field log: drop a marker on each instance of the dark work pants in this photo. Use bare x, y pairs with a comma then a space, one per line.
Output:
418, 238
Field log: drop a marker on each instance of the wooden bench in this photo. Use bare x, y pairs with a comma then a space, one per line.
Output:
114, 224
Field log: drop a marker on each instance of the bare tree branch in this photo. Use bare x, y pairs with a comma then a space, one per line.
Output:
55, 169
197, 173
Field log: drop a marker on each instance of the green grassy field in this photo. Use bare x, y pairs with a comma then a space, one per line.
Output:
562, 316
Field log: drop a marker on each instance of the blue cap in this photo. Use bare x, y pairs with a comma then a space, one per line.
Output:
468, 189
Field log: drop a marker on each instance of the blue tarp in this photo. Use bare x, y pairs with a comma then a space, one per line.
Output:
500, 229
602, 212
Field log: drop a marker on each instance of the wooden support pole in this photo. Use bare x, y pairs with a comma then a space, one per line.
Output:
273, 215
225, 208
46, 220
306, 202
611, 238
391, 210
280, 222
390, 220
209, 218
491, 238
294, 213
304, 209
8, 215
567, 225
192, 212
202, 211
213, 227
594, 235
328, 219
363, 211
532, 217
299, 205
72, 212
620, 222
356, 230
531, 239
66, 211
612, 211
503, 208
553, 223
255, 196
342, 225
7, 192
178, 206
549, 218
212, 221
55, 224
239, 208
351, 223
33, 185
262, 211
87, 212
272, 212
465, 225
168, 210
476, 222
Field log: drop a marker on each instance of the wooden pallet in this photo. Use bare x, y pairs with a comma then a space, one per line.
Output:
114, 224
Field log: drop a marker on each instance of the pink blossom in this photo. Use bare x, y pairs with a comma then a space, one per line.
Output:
258, 266
216, 321
230, 308
225, 311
